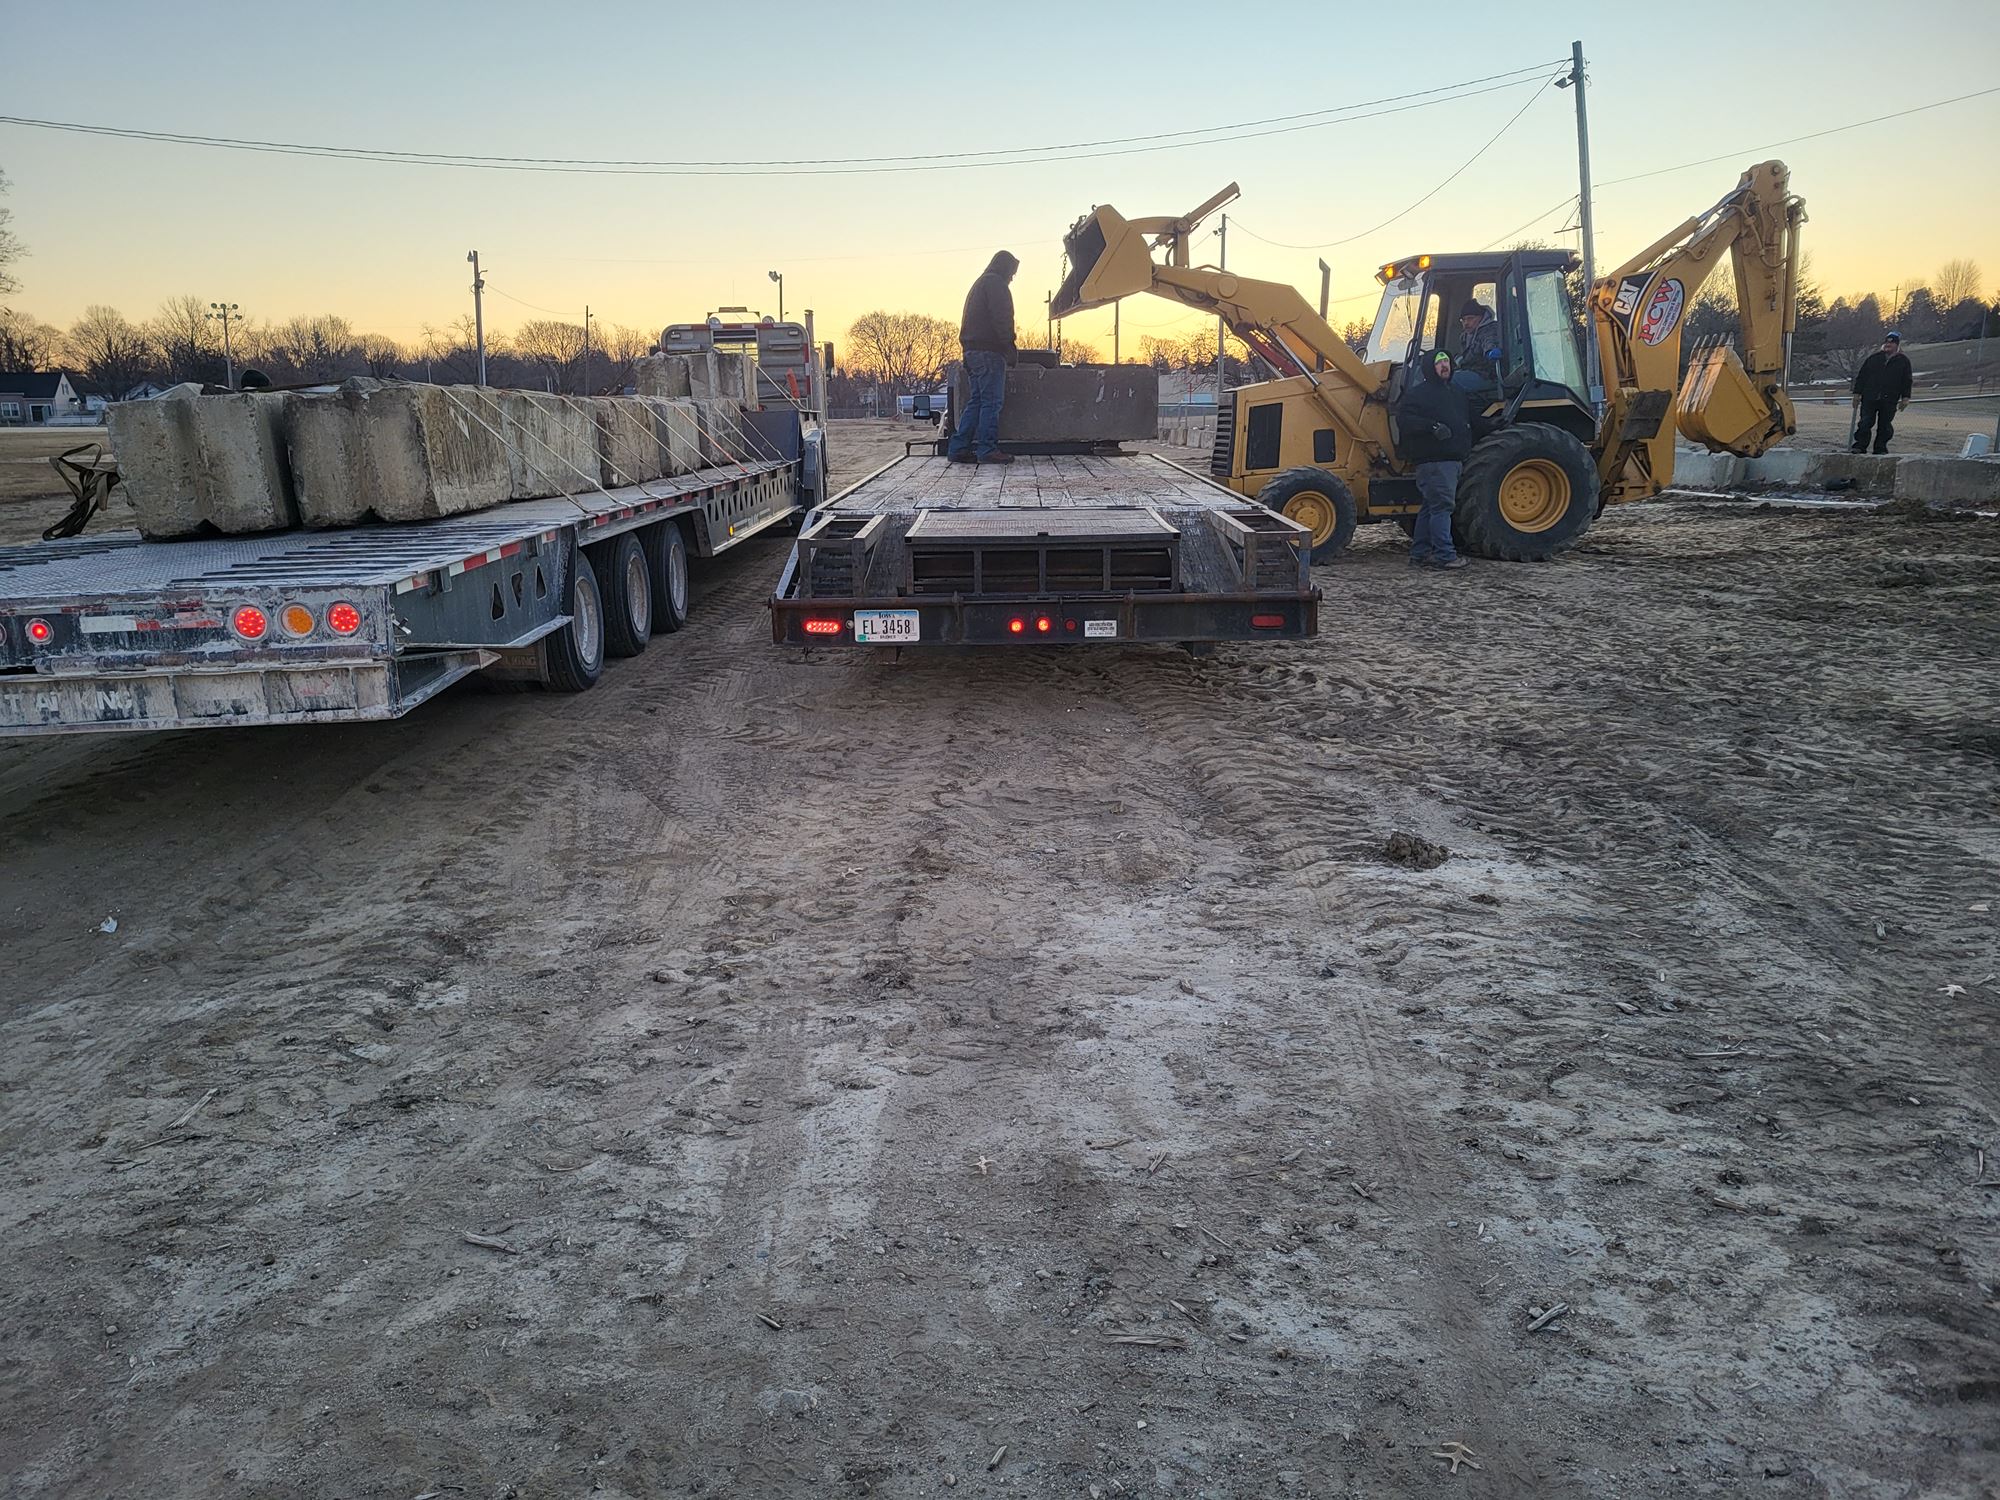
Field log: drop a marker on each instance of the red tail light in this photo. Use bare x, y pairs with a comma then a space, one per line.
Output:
822, 627
1042, 624
39, 632
343, 619
1017, 625
249, 622
1267, 622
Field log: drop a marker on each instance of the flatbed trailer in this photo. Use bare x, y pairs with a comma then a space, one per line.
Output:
1057, 548
116, 633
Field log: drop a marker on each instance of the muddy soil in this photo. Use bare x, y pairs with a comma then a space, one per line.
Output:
1025, 1074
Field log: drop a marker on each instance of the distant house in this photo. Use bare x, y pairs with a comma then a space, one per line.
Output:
145, 390
32, 399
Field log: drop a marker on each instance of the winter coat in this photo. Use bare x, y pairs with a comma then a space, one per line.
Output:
1479, 350
1434, 424
988, 322
1883, 377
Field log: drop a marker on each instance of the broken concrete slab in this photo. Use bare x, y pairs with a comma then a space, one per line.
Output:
551, 444
194, 463
396, 452
1078, 404
662, 375
629, 450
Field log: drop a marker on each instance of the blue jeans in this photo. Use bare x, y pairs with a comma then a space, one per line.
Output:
1437, 484
985, 390
1473, 383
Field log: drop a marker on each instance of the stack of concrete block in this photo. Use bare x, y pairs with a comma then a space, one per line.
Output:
662, 375
721, 425
397, 452
708, 376
193, 463
551, 444
629, 446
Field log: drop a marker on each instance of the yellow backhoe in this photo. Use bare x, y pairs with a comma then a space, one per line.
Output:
1318, 442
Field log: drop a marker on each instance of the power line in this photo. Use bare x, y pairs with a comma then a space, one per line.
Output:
536, 307
1490, 141
1018, 156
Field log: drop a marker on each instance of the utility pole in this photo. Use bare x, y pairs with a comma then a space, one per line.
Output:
1325, 289
1118, 307
586, 350
1049, 302
1221, 329
1593, 374
222, 312
478, 312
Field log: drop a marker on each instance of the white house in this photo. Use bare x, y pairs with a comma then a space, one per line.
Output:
32, 399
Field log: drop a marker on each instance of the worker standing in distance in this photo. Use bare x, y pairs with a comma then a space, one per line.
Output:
1881, 389
1434, 431
1478, 371
986, 335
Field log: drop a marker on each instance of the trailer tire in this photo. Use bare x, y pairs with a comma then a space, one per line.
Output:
573, 657
627, 582
1527, 493
667, 557
1320, 502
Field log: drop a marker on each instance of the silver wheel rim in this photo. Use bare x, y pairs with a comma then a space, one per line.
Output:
638, 592
588, 644
677, 575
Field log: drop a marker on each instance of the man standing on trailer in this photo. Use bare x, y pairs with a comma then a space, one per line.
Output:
1434, 429
1881, 389
986, 335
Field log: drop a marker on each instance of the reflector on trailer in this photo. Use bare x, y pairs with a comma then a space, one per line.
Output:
249, 622
1267, 622
823, 627
343, 618
39, 632
297, 619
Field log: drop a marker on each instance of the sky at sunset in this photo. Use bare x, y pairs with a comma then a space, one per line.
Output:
131, 223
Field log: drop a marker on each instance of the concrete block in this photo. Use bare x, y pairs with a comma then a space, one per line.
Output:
721, 432
713, 376
628, 448
677, 423
1868, 473
1790, 468
396, 452
1949, 481
663, 375
194, 463
551, 444
1702, 470
1078, 404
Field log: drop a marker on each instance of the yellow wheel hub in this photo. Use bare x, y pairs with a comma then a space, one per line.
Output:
1534, 495
1315, 512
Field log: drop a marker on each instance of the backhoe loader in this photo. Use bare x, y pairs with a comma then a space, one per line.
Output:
1318, 443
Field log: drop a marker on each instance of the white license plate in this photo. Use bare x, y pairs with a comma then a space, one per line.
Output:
1100, 630
894, 626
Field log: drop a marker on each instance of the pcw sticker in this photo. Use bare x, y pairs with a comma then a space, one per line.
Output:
1099, 630
1662, 312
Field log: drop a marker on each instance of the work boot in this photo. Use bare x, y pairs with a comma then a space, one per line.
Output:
996, 457
964, 456
1452, 565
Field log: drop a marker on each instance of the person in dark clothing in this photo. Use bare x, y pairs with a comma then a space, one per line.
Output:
1881, 389
1434, 432
1478, 364
986, 334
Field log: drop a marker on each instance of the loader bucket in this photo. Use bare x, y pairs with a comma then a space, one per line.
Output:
1722, 409
1107, 260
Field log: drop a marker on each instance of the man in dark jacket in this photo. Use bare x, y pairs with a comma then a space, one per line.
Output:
1478, 371
1434, 431
1881, 389
986, 334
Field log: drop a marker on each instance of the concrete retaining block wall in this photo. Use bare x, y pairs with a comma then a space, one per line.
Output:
194, 463
396, 453
1944, 481
1949, 481
629, 450
551, 444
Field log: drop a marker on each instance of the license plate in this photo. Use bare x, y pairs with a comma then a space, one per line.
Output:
893, 626
1100, 630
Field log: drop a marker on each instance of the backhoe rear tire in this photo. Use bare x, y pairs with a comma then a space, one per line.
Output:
1320, 502
1527, 493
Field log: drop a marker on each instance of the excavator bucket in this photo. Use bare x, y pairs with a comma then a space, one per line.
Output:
1721, 408
1108, 259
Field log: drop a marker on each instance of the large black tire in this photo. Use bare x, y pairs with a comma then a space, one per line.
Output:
1320, 502
1528, 492
573, 657
667, 553
627, 583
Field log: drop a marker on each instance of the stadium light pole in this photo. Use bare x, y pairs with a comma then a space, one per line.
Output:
779, 277
222, 312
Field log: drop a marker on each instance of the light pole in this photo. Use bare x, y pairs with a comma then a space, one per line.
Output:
779, 277
222, 312
1593, 375
1049, 302
478, 312
586, 349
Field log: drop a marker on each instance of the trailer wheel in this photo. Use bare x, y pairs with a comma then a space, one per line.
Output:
627, 581
573, 657
1528, 492
667, 556
1320, 502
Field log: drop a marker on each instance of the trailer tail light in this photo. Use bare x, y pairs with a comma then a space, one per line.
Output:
343, 618
249, 622
297, 620
39, 632
1043, 624
822, 627
1017, 625
1267, 622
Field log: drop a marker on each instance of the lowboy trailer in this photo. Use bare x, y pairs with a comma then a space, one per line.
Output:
1058, 548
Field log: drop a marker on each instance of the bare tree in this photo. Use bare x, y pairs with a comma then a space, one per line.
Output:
26, 343
317, 348
11, 248
1071, 351
1957, 281
380, 354
623, 348
904, 351
553, 348
110, 351
187, 345
450, 354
